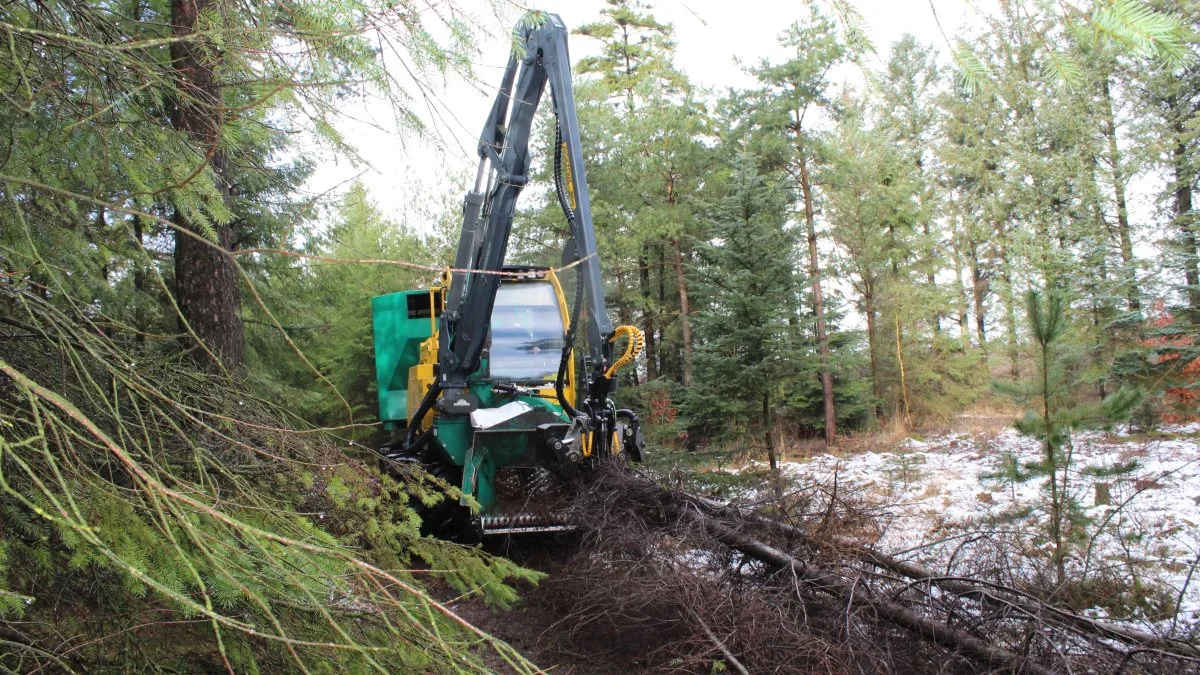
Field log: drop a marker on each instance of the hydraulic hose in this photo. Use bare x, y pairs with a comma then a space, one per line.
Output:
569, 341
416, 446
426, 404
568, 345
559, 189
634, 344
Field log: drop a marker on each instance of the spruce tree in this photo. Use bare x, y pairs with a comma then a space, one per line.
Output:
779, 123
744, 355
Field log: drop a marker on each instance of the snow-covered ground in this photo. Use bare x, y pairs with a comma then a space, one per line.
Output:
946, 508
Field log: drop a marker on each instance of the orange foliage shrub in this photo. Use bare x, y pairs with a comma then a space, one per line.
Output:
1181, 399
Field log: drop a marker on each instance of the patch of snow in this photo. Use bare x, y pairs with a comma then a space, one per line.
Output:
945, 500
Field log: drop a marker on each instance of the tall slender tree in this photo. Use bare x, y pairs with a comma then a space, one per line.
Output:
206, 281
634, 70
792, 96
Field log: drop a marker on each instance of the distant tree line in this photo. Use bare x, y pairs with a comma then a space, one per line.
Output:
811, 255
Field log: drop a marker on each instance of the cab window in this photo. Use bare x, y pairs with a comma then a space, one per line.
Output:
527, 333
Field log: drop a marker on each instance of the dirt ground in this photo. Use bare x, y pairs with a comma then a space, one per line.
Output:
535, 626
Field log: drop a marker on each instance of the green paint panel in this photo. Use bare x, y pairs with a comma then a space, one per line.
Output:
454, 435
481, 455
401, 323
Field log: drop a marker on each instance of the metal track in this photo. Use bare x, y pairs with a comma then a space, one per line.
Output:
524, 523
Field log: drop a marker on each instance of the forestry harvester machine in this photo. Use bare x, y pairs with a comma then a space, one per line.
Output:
478, 380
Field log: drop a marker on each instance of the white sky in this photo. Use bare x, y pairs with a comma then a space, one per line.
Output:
409, 178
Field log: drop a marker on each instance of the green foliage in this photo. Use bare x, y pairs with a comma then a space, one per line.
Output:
1128, 26
647, 131
803, 400
324, 305
1118, 469
934, 208
1051, 416
1141, 27
171, 489
133, 486
1011, 472
746, 346
904, 469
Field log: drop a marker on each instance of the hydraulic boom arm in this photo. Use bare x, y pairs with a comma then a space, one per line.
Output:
488, 214
501, 410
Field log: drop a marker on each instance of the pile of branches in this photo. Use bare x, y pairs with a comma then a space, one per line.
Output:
696, 585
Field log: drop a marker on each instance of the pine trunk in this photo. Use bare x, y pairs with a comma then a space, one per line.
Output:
1129, 273
648, 315
768, 437
685, 323
1006, 296
978, 295
685, 326
626, 317
964, 331
814, 271
664, 364
1184, 218
206, 281
905, 409
931, 281
872, 347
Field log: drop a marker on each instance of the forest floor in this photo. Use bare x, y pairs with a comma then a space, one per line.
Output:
537, 625
944, 500
940, 499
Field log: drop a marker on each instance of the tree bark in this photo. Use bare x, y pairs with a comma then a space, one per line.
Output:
648, 315
930, 279
978, 295
1129, 272
814, 272
626, 318
975, 648
1184, 218
685, 325
872, 346
768, 437
903, 375
1007, 297
664, 364
964, 330
996, 596
206, 281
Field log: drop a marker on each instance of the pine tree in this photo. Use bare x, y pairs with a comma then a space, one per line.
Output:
133, 480
325, 307
632, 98
1053, 412
779, 121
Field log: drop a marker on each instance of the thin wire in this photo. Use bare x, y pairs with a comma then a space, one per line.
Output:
400, 263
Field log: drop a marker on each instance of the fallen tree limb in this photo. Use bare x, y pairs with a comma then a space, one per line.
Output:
942, 634
708, 632
989, 593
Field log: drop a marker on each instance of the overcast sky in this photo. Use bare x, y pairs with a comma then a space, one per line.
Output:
407, 176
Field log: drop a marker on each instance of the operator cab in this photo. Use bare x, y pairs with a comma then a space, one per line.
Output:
527, 333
